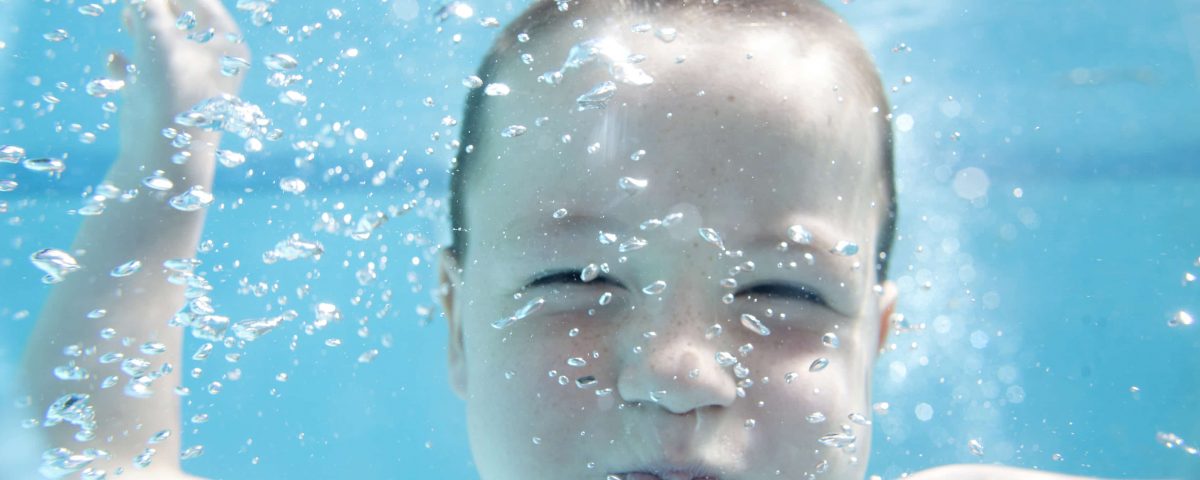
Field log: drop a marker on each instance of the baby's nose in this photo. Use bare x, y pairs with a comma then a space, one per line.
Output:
677, 372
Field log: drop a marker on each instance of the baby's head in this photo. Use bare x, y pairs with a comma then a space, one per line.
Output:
685, 280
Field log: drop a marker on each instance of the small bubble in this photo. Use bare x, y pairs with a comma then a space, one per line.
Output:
280, 62
585, 381
666, 34
230, 159
158, 182
923, 411
91, 10
837, 440
576, 362
818, 364
655, 288
560, 213
975, 447
607, 238
56, 35
56, 263
293, 185
126, 269
103, 87
753, 324
798, 234
191, 452
790, 377
232, 66
597, 97
186, 20
513, 131
632, 185
711, 236
637, 156
713, 331
472, 82
193, 199
530, 308
497, 90
632, 243
845, 248
1181, 319
830, 340
52, 166
605, 298
726, 359
589, 273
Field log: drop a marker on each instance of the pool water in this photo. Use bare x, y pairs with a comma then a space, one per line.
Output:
1048, 179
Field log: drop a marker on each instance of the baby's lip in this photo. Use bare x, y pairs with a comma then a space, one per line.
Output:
667, 471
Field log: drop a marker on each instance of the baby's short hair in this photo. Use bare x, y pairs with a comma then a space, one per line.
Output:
810, 20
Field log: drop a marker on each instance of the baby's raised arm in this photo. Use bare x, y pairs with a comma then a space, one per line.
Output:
170, 73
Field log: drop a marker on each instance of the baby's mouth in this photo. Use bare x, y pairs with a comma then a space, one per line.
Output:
667, 475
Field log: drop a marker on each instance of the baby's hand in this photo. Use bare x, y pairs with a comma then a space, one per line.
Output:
179, 50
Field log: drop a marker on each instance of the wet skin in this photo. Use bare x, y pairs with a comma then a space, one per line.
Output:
769, 143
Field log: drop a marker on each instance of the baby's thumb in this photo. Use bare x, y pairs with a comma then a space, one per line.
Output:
117, 65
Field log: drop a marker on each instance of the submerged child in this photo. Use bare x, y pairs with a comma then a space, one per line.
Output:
694, 236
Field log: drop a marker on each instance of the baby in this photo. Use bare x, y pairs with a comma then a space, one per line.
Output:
686, 226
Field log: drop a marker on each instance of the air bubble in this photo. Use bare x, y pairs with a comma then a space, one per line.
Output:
975, 447
631, 244
280, 62
472, 82
232, 66
830, 340
103, 87
11, 154
293, 185
845, 248
837, 440
56, 263
126, 269
798, 234
711, 236
589, 273
666, 34
294, 248
818, 364
193, 199
1181, 319
598, 97
632, 185
52, 166
529, 309
753, 324
655, 288
91, 10
496, 90
513, 131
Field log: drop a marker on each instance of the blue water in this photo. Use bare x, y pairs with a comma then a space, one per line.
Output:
1041, 310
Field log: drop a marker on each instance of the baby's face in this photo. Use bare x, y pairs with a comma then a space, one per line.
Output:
649, 370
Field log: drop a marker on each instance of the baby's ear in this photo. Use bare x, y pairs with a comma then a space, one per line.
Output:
449, 280
887, 306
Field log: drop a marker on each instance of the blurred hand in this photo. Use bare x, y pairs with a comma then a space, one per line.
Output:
172, 72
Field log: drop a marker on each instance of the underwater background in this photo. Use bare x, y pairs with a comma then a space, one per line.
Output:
1048, 175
